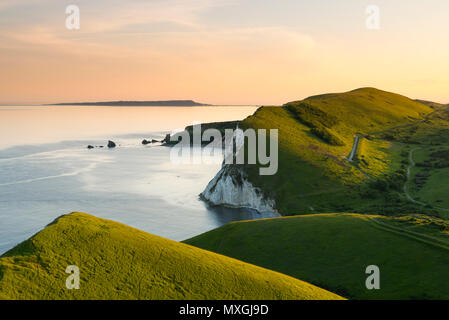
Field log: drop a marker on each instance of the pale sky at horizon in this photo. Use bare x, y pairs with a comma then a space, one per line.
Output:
220, 51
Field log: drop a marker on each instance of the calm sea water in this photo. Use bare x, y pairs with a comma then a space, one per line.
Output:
46, 170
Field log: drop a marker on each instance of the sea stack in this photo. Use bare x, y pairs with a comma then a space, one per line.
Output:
111, 144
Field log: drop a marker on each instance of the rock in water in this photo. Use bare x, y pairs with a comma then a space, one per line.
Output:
166, 139
111, 144
90, 147
145, 142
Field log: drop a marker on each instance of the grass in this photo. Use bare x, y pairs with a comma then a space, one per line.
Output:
433, 105
314, 175
428, 139
119, 262
333, 251
302, 157
429, 177
368, 110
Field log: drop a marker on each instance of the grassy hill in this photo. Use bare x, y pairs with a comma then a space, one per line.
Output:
430, 177
333, 251
433, 105
425, 154
119, 262
316, 136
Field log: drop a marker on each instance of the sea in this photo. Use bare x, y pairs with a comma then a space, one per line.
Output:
46, 169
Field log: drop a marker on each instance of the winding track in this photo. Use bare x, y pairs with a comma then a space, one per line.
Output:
409, 171
353, 153
410, 234
407, 194
412, 162
354, 149
357, 138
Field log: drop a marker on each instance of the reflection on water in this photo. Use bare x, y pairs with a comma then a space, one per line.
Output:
133, 184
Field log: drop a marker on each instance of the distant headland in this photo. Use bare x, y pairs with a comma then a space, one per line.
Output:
165, 103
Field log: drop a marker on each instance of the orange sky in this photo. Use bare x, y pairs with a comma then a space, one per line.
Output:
221, 52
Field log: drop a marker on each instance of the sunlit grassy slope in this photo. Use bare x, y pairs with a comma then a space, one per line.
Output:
426, 141
316, 136
433, 105
119, 262
333, 251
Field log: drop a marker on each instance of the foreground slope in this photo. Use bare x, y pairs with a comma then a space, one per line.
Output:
119, 262
333, 251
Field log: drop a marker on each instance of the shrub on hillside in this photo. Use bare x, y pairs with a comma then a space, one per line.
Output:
327, 136
310, 115
393, 181
319, 121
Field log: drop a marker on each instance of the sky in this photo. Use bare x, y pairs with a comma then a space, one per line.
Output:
221, 51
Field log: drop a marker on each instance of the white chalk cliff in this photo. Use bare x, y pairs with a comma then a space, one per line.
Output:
230, 187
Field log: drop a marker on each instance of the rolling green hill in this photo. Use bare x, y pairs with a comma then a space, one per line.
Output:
433, 105
119, 262
424, 154
333, 251
316, 136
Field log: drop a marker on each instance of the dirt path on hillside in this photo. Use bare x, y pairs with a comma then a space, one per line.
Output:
426, 117
409, 172
410, 234
358, 138
354, 149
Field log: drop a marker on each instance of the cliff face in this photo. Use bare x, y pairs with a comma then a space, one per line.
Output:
230, 187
